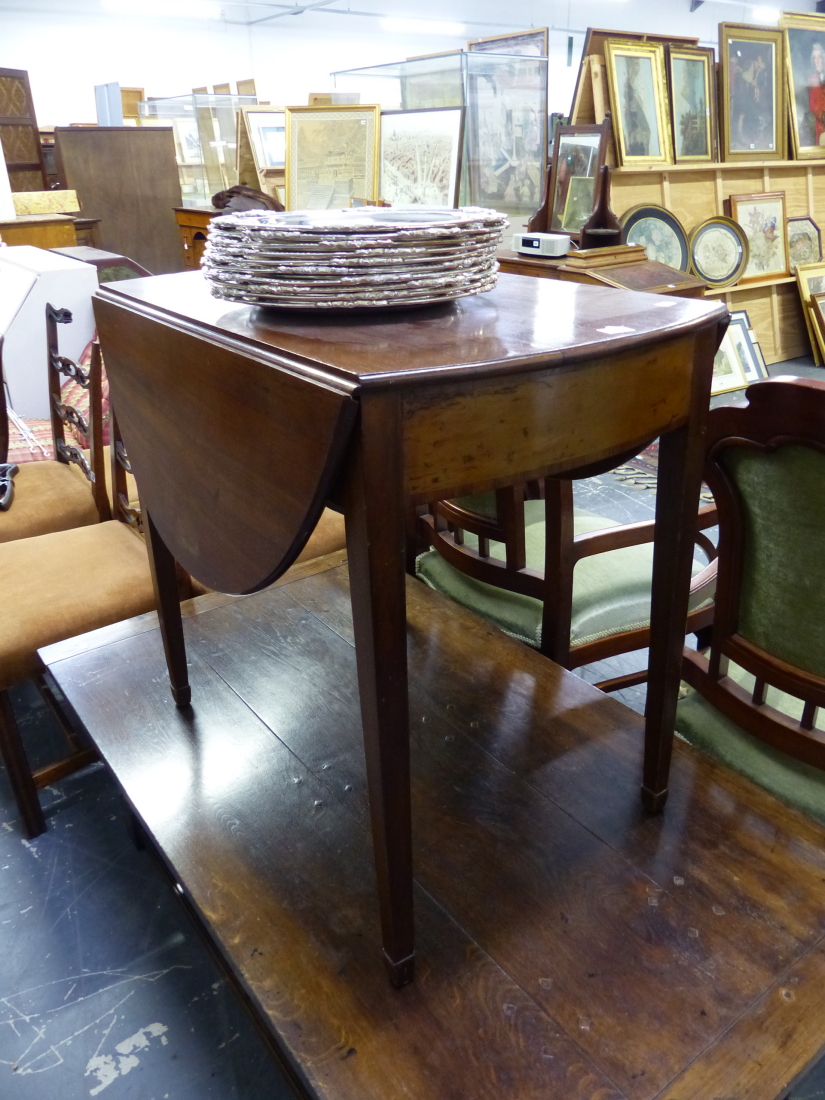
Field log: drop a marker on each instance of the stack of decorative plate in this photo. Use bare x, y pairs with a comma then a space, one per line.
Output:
367, 257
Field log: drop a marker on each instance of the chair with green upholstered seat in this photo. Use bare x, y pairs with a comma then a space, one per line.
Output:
572, 584
757, 690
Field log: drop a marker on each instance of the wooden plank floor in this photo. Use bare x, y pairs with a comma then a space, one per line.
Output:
568, 944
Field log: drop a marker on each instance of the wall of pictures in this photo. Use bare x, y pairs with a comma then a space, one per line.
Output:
716, 161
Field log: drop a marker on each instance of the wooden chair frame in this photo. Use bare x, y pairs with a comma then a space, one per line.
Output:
778, 412
444, 526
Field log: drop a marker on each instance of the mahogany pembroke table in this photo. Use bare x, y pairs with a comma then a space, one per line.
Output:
242, 423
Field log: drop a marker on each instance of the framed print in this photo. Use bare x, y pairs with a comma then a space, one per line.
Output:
421, 156
804, 242
532, 43
691, 77
578, 154
747, 349
659, 232
810, 278
818, 320
267, 133
762, 216
727, 370
805, 62
752, 92
331, 156
718, 251
507, 131
638, 93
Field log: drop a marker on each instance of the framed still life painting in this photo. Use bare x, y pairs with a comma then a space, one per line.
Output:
421, 156
762, 217
638, 93
805, 61
331, 156
752, 92
691, 74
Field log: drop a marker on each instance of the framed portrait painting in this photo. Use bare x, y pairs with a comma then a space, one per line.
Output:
691, 75
331, 156
752, 92
578, 154
805, 61
762, 217
421, 156
638, 94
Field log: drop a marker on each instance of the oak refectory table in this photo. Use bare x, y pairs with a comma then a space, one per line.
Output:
242, 423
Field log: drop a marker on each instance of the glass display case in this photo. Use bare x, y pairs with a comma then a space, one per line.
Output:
205, 129
505, 134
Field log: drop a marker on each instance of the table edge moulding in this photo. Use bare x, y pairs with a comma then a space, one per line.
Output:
287, 411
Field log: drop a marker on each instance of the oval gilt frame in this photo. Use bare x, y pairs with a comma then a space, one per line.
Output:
736, 230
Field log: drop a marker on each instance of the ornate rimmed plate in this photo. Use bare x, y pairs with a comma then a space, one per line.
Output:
360, 258
659, 232
718, 251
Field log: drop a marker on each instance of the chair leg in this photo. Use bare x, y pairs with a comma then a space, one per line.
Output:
19, 772
165, 581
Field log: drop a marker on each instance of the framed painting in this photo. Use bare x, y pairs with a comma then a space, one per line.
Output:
659, 232
638, 93
762, 217
421, 156
331, 156
578, 154
267, 133
533, 43
727, 369
817, 312
804, 242
752, 92
805, 63
691, 78
507, 131
718, 251
746, 346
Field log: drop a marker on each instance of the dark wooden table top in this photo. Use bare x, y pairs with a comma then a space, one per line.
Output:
571, 946
518, 326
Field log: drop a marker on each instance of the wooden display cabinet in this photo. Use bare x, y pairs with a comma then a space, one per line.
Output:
193, 223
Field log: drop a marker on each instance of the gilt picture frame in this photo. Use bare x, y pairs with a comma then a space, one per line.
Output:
638, 94
804, 241
762, 217
332, 154
804, 40
691, 76
752, 93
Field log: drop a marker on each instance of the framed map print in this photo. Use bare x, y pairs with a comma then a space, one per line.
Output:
331, 156
421, 156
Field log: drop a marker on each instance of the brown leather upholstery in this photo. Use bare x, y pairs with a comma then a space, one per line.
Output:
48, 496
65, 584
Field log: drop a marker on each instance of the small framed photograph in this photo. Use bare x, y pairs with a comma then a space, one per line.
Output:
638, 93
747, 348
752, 92
331, 156
804, 242
762, 217
578, 154
691, 74
727, 369
533, 43
805, 61
421, 156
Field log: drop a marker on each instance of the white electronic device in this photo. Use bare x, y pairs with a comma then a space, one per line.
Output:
541, 244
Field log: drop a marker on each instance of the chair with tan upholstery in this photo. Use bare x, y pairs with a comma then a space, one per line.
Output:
69, 490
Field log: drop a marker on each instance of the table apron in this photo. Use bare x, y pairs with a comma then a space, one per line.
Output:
479, 434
